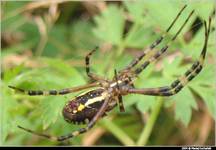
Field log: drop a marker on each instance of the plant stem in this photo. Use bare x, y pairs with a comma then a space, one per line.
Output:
150, 124
117, 132
120, 49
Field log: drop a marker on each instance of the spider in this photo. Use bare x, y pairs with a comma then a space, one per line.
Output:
90, 106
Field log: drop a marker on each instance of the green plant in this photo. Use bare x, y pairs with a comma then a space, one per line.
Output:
33, 60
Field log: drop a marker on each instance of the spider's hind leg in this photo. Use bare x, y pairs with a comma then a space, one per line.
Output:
56, 138
99, 114
154, 44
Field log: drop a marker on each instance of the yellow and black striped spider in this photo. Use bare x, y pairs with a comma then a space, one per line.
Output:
90, 106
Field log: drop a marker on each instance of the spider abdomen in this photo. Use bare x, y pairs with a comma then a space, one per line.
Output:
85, 106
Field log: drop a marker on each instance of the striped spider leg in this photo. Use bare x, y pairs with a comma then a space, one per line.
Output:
78, 112
153, 45
96, 77
67, 90
162, 50
90, 106
53, 92
99, 114
178, 84
85, 108
90, 74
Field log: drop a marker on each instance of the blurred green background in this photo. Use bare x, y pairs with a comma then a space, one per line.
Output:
43, 46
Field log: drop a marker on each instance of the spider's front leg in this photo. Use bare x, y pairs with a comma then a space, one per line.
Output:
178, 84
74, 133
90, 74
53, 92
154, 44
163, 49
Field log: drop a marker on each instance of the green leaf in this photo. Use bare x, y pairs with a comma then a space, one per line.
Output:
8, 102
56, 75
146, 103
51, 108
81, 35
7, 118
62, 68
57, 42
208, 95
139, 36
145, 80
10, 74
136, 10
206, 7
206, 76
173, 69
184, 100
184, 103
110, 25
195, 46
161, 14
204, 85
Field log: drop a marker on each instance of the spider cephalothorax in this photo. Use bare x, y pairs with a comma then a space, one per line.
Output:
90, 106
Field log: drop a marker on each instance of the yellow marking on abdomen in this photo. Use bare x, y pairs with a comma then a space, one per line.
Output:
82, 94
81, 107
96, 99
